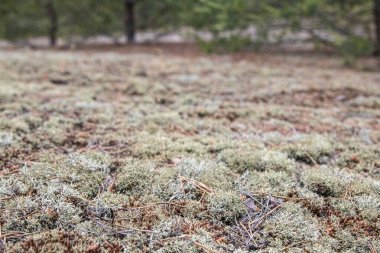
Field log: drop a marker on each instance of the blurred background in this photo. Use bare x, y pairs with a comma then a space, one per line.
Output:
350, 28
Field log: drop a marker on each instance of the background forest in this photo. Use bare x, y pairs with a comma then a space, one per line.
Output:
347, 26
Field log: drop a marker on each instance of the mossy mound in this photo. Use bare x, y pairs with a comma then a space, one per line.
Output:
310, 149
133, 154
257, 160
59, 241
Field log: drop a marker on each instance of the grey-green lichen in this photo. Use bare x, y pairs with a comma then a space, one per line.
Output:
310, 148
134, 155
292, 224
256, 160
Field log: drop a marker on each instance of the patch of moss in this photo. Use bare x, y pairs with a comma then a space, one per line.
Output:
324, 181
369, 208
259, 160
165, 148
212, 174
291, 224
135, 179
270, 182
348, 242
310, 149
361, 159
331, 182
226, 206
59, 241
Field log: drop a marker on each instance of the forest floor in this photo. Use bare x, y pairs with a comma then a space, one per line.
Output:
157, 151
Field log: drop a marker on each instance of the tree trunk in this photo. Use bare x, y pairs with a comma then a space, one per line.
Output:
53, 18
130, 20
377, 26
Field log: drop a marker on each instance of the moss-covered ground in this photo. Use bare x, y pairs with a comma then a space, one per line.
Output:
108, 152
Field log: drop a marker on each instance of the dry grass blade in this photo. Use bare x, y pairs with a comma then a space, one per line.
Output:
372, 248
7, 173
197, 184
205, 248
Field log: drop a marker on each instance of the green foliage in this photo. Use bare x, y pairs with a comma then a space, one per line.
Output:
21, 19
353, 47
342, 25
327, 22
220, 15
231, 44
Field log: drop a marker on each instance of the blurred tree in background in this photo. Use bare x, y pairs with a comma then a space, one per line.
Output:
352, 27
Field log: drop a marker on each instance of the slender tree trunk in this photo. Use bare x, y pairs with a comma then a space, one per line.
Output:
53, 17
377, 26
130, 20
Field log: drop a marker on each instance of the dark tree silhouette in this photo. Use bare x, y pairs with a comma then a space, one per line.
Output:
377, 26
53, 18
130, 20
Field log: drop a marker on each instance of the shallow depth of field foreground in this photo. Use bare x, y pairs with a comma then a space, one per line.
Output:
144, 152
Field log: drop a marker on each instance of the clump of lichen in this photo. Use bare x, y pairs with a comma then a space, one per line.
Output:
292, 224
257, 160
324, 182
226, 206
191, 178
212, 174
177, 246
331, 182
165, 148
310, 149
130, 158
269, 182
59, 241
361, 159
135, 179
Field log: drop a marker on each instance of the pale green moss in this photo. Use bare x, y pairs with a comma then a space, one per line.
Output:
212, 174
361, 159
324, 182
259, 160
270, 182
361, 101
58, 241
165, 148
178, 246
347, 242
291, 224
226, 206
156, 163
310, 149
135, 179
368, 206
327, 181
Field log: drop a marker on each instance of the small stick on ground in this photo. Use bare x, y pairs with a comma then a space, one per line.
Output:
197, 184
208, 250
292, 245
7, 173
262, 218
372, 247
311, 158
